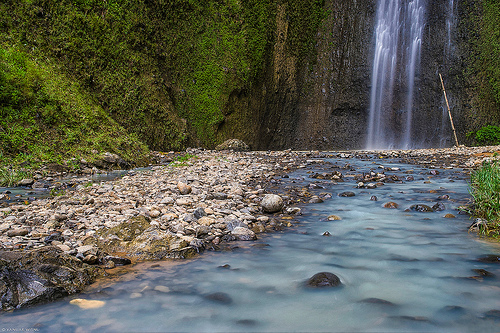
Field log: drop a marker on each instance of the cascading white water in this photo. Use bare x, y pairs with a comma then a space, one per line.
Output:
398, 40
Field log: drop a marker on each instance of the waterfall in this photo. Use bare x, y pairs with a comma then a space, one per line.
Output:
398, 40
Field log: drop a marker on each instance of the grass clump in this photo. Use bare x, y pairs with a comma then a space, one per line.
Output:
10, 177
485, 190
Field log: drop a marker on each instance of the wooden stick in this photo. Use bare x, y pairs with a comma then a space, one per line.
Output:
449, 111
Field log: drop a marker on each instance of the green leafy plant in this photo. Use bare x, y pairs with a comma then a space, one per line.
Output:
488, 135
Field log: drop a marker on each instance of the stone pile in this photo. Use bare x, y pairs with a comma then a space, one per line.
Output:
167, 211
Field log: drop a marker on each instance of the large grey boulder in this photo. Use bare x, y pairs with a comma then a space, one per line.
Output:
272, 203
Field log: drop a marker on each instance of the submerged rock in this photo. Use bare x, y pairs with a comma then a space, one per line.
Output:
323, 279
219, 297
391, 205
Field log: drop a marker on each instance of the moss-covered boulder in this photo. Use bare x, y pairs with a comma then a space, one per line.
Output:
139, 240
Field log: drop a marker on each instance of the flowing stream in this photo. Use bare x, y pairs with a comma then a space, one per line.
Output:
401, 271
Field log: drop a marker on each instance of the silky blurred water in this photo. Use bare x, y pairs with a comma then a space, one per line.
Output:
419, 262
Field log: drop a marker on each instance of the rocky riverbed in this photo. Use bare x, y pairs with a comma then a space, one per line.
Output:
55, 246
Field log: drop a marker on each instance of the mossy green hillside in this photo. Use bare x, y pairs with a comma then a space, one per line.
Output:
45, 117
162, 69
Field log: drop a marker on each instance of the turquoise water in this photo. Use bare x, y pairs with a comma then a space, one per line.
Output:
401, 271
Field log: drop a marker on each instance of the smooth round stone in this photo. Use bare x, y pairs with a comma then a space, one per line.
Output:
272, 203
162, 289
323, 280
449, 216
334, 218
347, 194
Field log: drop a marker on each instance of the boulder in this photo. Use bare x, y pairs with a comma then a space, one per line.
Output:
272, 203
233, 144
41, 275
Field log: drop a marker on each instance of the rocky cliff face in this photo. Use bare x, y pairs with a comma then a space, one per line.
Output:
276, 74
322, 101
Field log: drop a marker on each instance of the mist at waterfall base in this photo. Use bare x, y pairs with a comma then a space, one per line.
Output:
400, 271
394, 121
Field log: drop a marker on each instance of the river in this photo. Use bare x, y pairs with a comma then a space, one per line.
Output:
400, 271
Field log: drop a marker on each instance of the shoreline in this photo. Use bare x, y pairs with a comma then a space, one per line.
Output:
171, 211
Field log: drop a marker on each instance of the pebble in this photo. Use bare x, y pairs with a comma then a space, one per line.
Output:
87, 304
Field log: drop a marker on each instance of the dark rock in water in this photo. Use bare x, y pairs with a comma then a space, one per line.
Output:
40, 276
373, 198
225, 266
219, 297
377, 301
412, 318
492, 314
483, 273
347, 194
327, 233
439, 207
247, 322
421, 208
490, 258
323, 279
452, 309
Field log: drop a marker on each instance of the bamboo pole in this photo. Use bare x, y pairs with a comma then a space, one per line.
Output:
449, 111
